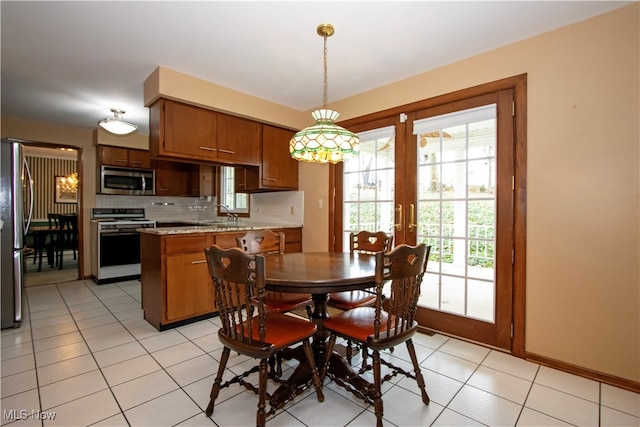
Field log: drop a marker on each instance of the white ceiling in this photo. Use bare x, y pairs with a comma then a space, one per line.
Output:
69, 62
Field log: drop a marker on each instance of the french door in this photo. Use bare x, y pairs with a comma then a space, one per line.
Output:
444, 176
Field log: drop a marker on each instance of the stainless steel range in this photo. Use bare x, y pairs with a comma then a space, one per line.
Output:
115, 251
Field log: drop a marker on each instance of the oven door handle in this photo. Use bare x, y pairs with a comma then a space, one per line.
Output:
118, 233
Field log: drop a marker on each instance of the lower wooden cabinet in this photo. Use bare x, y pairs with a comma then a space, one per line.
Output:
176, 286
189, 287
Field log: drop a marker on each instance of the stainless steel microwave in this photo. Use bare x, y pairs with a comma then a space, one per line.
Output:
115, 180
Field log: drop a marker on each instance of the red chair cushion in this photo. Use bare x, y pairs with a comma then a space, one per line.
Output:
356, 323
284, 301
282, 330
352, 299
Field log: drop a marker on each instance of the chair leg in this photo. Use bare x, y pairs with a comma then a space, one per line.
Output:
309, 313
327, 358
365, 355
317, 382
349, 354
418, 373
377, 393
263, 375
215, 389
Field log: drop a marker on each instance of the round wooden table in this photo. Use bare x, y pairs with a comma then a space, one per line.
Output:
318, 273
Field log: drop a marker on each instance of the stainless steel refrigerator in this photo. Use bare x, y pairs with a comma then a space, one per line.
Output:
16, 191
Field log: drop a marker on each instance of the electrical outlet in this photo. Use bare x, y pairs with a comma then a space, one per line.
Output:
292, 211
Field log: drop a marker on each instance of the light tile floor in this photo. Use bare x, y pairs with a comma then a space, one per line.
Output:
85, 356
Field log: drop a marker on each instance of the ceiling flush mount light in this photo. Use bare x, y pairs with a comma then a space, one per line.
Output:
325, 141
116, 125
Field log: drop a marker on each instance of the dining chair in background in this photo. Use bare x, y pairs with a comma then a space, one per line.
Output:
249, 328
364, 242
383, 328
67, 237
267, 242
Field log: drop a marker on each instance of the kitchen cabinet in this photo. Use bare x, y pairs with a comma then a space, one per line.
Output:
277, 169
176, 286
172, 178
123, 157
183, 132
178, 179
238, 140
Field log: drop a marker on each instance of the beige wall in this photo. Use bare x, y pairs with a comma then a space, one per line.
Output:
583, 255
583, 215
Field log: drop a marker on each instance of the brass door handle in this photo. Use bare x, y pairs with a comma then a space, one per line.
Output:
412, 218
398, 225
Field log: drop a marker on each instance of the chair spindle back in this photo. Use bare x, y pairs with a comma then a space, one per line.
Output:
237, 277
404, 266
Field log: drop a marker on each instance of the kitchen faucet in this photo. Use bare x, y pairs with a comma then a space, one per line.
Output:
231, 217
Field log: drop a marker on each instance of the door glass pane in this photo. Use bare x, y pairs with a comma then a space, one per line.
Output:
456, 210
368, 185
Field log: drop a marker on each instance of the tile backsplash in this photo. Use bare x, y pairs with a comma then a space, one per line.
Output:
279, 208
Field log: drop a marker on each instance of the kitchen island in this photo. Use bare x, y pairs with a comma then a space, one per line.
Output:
176, 287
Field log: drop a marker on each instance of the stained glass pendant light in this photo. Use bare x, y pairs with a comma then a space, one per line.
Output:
116, 125
324, 142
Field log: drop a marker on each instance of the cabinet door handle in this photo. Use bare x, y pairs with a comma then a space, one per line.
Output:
208, 149
269, 179
227, 151
120, 161
202, 261
135, 161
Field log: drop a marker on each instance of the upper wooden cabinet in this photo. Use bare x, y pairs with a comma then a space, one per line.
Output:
238, 140
183, 132
277, 170
180, 179
124, 157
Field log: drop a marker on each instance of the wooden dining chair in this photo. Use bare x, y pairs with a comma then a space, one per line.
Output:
54, 225
267, 242
382, 328
249, 328
67, 237
367, 242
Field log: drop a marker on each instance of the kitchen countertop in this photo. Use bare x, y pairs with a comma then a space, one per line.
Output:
210, 227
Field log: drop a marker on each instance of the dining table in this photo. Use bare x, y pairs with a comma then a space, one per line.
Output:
319, 274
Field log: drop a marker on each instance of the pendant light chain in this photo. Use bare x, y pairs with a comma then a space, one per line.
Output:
326, 80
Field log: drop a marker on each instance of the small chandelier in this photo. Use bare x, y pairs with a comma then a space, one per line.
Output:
116, 125
69, 184
324, 141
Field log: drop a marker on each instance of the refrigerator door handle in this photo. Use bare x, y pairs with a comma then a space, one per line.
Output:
28, 221
18, 259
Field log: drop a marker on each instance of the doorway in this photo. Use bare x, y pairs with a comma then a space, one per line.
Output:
54, 170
